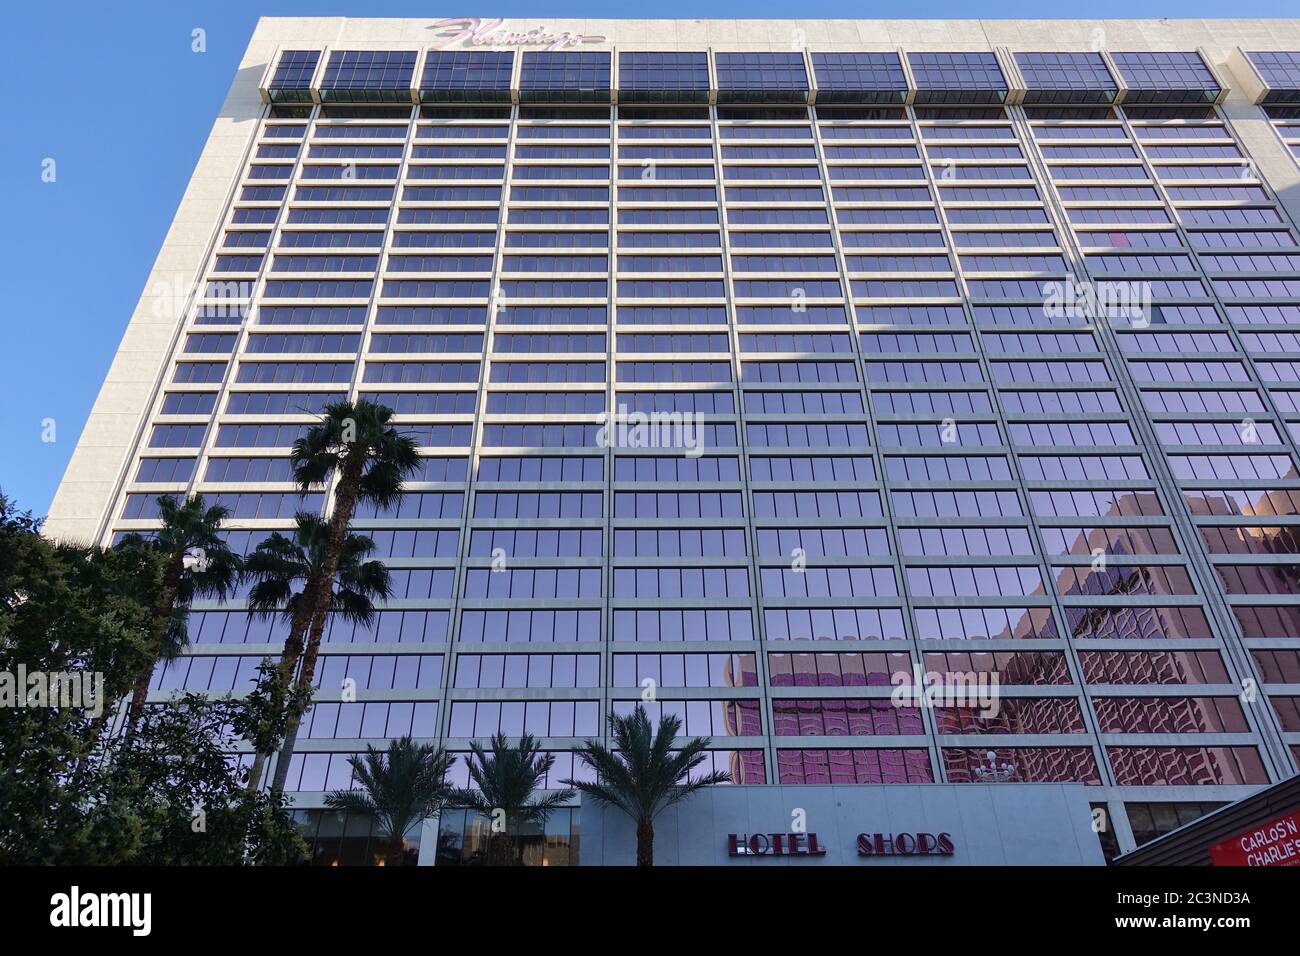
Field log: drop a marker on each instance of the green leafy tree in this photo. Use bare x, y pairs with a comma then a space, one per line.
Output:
644, 774
69, 793
400, 789
174, 787
196, 563
282, 567
506, 784
82, 613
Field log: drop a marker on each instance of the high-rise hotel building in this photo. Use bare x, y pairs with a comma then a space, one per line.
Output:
982, 339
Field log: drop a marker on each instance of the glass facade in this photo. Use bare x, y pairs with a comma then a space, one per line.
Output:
567, 77
761, 77
663, 77
368, 76
1281, 72
1166, 77
1066, 78
459, 75
291, 81
957, 77
859, 77
1007, 391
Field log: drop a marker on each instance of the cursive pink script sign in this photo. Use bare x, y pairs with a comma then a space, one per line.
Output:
475, 31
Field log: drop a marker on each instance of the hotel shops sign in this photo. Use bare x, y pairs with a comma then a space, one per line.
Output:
491, 32
872, 845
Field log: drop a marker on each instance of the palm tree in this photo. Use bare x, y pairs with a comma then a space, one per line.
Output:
400, 789
278, 564
644, 775
198, 563
372, 459
507, 779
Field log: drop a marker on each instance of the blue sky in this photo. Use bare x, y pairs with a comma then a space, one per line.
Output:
115, 96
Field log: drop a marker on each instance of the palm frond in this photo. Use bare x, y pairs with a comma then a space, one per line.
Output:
370, 579
398, 787
507, 781
176, 636
644, 773
352, 607
354, 801
281, 563
345, 432
190, 539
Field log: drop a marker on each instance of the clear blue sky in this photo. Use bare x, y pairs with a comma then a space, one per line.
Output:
113, 93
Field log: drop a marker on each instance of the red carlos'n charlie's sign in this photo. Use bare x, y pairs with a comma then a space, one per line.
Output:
1276, 843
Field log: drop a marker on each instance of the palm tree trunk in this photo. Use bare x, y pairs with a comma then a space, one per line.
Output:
142, 682
166, 600
255, 773
293, 644
345, 501
399, 826
305, 678
502, 850
285, 757
645, 843
289, 657
307, 673
397, 852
